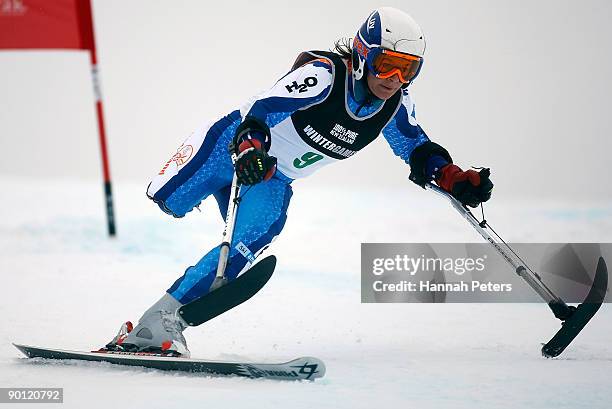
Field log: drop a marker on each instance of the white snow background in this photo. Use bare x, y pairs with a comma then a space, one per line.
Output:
66, 285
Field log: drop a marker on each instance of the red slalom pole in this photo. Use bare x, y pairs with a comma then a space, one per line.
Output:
88, 43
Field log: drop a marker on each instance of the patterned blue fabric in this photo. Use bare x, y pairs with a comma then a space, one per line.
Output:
261, 216
402, 136
209, 171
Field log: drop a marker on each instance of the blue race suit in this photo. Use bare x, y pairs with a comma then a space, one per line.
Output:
202, 165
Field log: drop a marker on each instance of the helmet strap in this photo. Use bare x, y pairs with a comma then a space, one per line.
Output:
361, 90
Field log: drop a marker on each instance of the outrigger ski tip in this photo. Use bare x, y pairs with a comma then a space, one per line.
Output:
579, 316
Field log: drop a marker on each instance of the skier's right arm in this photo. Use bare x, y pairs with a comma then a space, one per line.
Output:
301, 87
250, 145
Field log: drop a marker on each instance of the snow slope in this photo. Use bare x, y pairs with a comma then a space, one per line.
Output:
66, 285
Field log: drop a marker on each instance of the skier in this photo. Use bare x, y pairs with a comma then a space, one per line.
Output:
326, 109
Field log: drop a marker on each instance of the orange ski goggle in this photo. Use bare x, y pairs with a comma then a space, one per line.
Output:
386, 63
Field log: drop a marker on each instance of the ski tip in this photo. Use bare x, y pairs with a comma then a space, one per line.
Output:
602, 274
308, 368
22, 348
599, 287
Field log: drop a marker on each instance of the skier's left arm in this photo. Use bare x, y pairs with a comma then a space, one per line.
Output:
431, 162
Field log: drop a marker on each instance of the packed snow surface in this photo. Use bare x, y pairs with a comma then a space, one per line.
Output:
67, 285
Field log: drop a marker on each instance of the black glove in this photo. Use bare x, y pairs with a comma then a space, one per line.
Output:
253, 164
469, 187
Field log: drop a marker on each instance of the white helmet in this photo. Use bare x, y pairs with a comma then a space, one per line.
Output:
387, 28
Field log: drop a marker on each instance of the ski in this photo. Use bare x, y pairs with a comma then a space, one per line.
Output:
230, 295
304, 368
581, 315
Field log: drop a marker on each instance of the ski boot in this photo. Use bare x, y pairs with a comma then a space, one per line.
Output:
159, 331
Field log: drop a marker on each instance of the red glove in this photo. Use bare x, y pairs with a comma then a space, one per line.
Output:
469, 187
